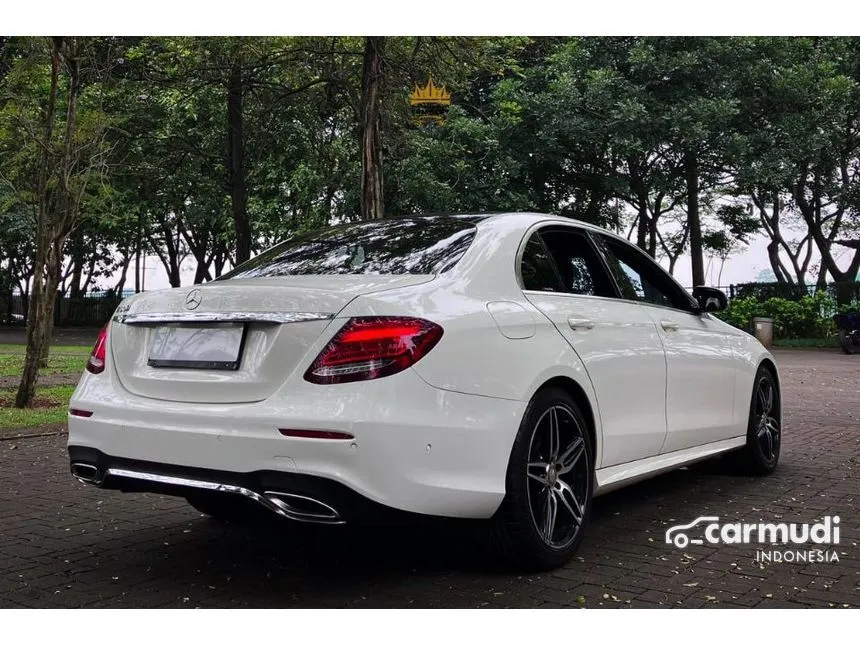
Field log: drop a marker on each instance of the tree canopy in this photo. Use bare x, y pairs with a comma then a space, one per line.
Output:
214, 148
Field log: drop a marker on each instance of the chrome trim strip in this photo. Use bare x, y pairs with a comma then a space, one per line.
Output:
278, 507
265, 317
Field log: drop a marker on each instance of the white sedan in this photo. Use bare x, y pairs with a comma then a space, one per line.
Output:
506, 368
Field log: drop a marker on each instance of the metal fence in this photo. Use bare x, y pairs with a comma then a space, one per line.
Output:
850, 291
89, 310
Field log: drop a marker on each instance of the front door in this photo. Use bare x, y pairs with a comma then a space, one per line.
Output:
699, 364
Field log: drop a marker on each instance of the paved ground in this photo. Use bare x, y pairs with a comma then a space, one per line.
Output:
67, 545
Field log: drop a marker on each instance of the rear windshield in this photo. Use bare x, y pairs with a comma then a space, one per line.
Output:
418, 245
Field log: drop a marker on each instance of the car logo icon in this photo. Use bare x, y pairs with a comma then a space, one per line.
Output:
677, 534
193, 299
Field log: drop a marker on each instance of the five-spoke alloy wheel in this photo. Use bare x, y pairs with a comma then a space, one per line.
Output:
558, 476
549, 484
764, 434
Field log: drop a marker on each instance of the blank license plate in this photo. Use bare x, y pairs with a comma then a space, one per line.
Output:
198, 347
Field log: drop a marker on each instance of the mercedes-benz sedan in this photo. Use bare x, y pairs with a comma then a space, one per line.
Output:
504, 368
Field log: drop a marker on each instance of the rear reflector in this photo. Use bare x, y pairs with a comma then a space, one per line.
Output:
315, 434
80, 413
96, 364
372, 347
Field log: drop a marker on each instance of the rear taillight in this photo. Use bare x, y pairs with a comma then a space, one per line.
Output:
96, 364
372, 347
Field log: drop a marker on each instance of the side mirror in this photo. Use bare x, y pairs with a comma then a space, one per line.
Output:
710, 299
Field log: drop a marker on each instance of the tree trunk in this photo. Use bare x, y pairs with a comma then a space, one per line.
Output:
642, 226
201, 273
372, 205
821, 281
25, 300
691, 167
824, 244
120, 285
41, 291
236, 158
652, 236
169, 252
77, 270
91, 270
138, 249
173, 274
779, 272
219, 260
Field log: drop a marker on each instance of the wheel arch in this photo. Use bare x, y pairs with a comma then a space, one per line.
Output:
578, 394
768, 363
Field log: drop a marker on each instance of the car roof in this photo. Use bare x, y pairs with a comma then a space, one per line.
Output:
522, 217
527, 218
508, 219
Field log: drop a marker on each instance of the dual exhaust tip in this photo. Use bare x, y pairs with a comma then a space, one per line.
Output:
290, 505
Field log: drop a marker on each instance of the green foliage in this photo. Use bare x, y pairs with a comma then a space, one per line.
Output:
848, 307
741, 311
764, 290
593, 128
808, 317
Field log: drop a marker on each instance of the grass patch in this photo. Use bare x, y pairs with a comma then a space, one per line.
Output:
13, 364
51, 406
15, 418
806, 342
78, 350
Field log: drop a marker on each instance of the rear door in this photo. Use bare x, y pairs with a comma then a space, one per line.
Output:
563, 275
699, 361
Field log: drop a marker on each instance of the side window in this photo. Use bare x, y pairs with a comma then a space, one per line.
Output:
537, 269
581, 270
640, 278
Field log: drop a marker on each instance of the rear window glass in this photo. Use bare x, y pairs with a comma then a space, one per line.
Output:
425, 245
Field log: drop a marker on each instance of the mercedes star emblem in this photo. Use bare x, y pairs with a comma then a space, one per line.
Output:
192, 300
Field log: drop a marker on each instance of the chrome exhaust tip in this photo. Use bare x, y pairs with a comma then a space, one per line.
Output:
289, 505
303, 509
86, 473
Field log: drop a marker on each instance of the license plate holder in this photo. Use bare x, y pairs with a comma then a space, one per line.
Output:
206, 346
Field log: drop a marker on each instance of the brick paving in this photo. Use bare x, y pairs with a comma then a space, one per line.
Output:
64, 544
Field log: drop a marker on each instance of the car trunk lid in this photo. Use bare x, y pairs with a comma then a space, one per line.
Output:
180, 344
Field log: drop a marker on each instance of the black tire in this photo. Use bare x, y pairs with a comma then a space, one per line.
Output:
228, 508
514, 529
760, 455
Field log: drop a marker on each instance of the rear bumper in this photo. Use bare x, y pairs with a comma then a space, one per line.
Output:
415, 449
303, 498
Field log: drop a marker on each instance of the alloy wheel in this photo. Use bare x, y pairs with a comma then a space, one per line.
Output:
766, 418
558, 480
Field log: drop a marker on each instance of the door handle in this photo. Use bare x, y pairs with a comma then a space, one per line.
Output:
580, 323
668, 325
